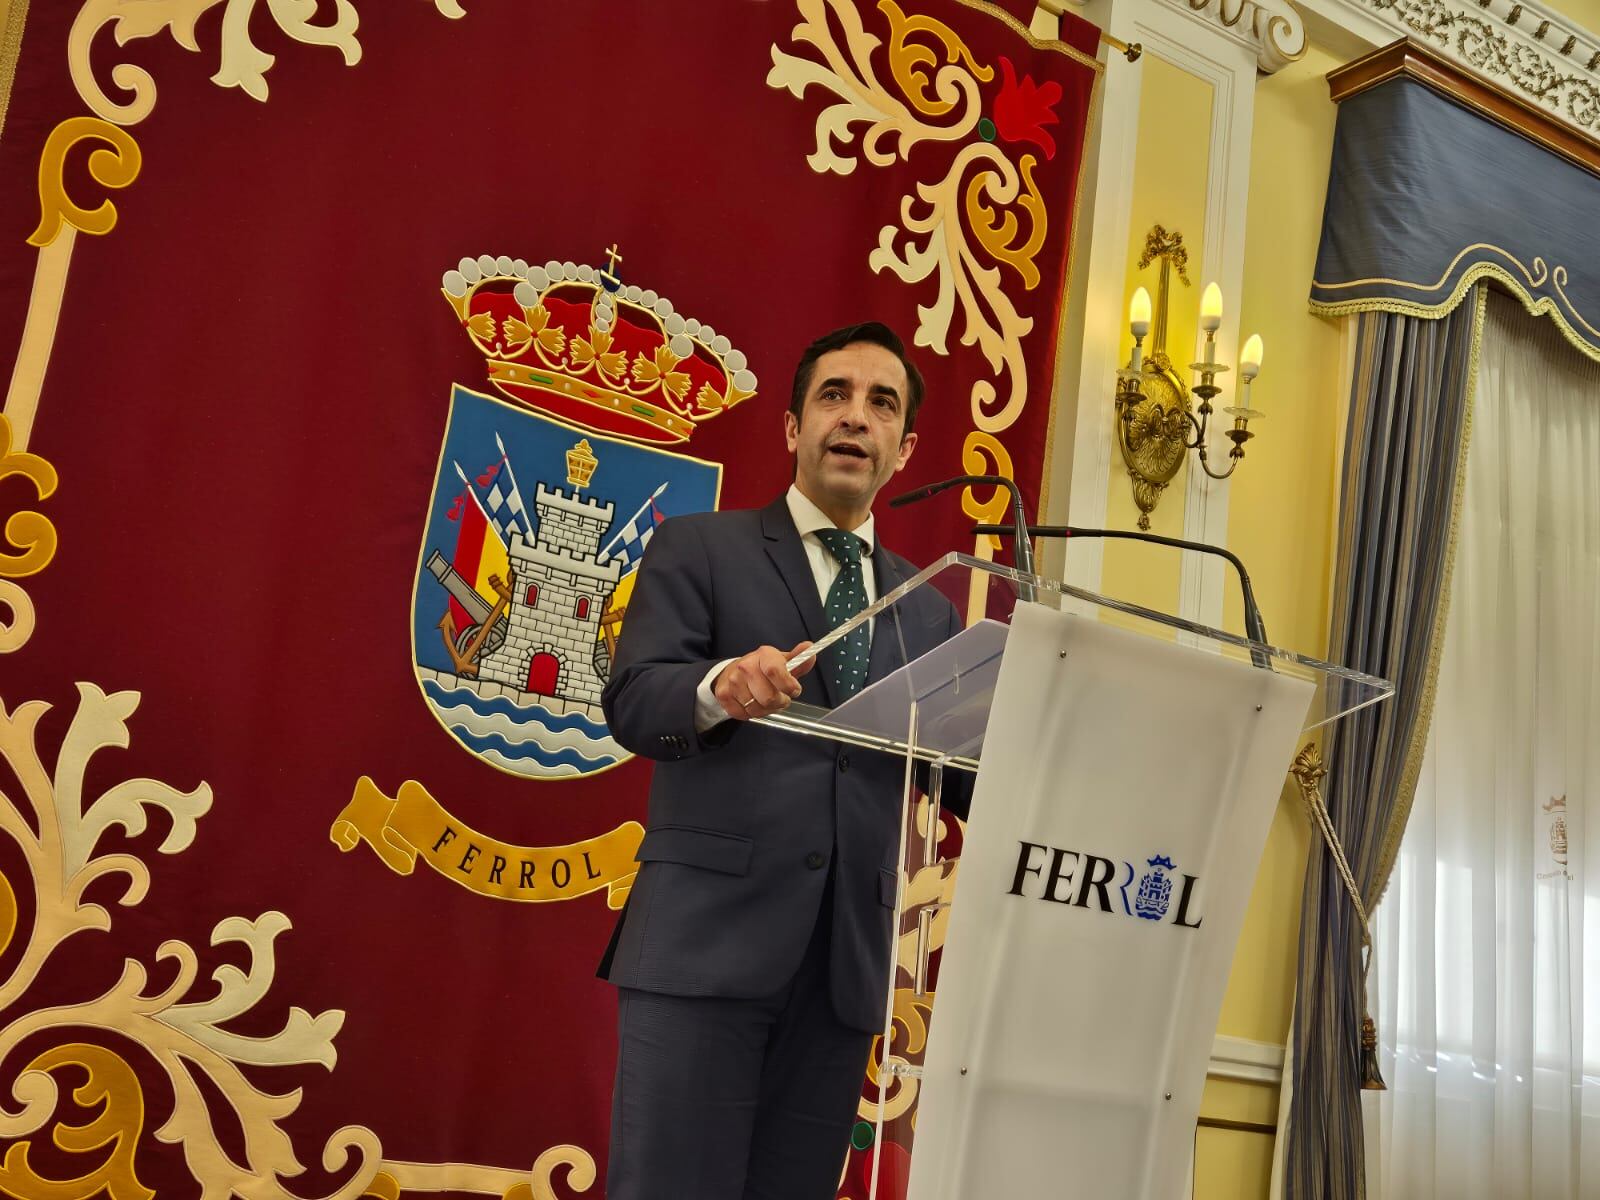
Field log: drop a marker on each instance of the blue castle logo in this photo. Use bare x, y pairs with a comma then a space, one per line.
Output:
1155, 889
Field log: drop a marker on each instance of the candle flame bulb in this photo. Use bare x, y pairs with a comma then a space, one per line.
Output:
1250, 357
1139, 313
1211, 308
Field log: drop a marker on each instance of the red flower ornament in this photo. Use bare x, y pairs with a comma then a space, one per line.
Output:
1022, 110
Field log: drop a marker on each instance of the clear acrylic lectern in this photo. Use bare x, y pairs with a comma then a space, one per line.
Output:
1123, 768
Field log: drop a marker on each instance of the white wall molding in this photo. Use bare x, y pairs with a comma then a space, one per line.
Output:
1175, 31
1245, 1061
1231, 72
1272, 30
1089, 371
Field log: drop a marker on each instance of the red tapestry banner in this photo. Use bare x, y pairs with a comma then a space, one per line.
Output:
354, 351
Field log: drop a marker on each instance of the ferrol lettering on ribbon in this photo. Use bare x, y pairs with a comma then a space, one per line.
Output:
413, 824
1085, 880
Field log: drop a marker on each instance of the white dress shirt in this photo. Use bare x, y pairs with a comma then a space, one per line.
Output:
808, 518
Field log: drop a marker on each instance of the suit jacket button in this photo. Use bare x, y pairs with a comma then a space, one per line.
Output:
844, 763
815, 861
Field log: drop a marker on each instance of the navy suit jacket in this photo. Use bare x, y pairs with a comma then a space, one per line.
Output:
744, 820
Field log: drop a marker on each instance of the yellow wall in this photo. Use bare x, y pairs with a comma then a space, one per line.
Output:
1231, 1164
1280, 523
1169, 189
1281, 501
1280, 509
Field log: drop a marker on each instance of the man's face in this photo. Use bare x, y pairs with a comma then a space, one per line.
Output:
847, 440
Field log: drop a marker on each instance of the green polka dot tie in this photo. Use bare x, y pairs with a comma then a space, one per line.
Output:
846, 660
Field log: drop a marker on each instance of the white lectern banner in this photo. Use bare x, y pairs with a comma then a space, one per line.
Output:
1124, 799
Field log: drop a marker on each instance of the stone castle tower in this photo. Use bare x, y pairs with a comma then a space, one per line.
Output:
561, 589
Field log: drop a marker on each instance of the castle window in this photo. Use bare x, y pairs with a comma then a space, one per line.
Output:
533, 594
583, 608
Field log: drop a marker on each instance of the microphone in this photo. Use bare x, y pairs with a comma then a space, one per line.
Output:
1024, 544
1255, 628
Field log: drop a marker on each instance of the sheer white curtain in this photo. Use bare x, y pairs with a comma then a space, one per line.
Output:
1486, 960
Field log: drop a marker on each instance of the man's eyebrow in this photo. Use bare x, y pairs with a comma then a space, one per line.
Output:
876, 389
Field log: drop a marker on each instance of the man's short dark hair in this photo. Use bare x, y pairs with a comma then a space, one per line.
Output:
878, 334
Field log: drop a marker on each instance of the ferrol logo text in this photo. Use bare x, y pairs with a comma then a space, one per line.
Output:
1111, 885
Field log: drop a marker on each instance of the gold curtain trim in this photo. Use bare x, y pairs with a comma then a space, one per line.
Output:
1443, 275
1055, 45
1537, 306
10, 52
1389, 848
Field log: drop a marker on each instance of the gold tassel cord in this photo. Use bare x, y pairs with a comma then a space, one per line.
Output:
1308, 771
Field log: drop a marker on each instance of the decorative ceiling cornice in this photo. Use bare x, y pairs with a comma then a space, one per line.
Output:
1526, 48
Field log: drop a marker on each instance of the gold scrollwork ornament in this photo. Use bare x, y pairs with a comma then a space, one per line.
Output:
1151, 433
32, 533
116, 167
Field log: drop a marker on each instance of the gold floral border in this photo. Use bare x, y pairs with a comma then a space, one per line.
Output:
933, 244
71, 837
1059, 386
62, 840
60, 833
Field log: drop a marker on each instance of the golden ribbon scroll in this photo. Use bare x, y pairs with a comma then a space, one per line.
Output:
414, 824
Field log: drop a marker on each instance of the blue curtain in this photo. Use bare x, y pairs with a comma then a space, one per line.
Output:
1404, 450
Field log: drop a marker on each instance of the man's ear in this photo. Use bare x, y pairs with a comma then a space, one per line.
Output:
791, 431
907, 445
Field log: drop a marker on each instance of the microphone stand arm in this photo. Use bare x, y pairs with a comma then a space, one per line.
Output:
1020, 530
1255, 628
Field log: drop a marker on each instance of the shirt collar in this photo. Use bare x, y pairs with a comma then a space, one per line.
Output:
808, 518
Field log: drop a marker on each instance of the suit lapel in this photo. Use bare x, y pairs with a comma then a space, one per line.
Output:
885, 655
788, 555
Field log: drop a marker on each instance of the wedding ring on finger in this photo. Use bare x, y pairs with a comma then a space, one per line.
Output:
748, 703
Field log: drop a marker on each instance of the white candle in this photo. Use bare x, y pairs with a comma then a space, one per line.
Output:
1139, 313
1211, 308
1250, 357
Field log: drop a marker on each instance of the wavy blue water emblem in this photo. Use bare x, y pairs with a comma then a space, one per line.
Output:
530, 751
526, 740
545, 719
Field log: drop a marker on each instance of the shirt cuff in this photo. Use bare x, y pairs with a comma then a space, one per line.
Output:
708, 710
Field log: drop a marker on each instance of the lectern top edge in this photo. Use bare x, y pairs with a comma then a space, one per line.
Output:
983, 590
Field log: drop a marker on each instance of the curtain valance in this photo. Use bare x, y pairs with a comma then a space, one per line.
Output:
1426, 196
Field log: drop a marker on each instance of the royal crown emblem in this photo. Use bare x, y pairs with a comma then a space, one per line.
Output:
574, 341
546, 496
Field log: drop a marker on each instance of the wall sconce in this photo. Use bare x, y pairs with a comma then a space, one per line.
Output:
1156, 423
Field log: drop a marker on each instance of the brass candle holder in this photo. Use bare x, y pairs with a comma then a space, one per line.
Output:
1157, 421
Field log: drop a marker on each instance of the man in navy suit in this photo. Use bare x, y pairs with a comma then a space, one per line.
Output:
754, 955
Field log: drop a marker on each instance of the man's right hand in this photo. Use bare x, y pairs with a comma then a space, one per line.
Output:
760, 684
